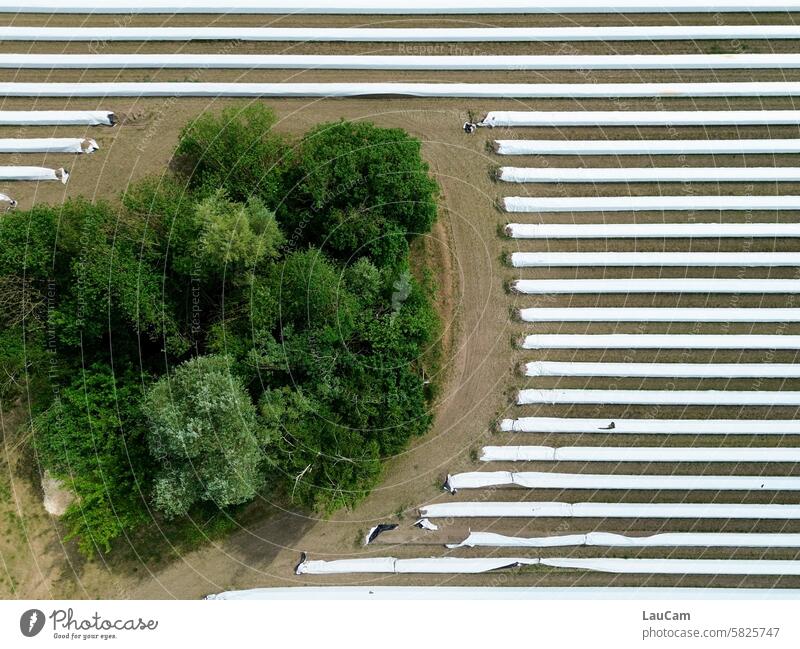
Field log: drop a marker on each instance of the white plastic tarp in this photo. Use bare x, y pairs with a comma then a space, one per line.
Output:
647, 174
403, 35
661, 341
608, 540
659, 258
767, 398
454, 565
473, 90
390, 565
640, 118
390, 7
546, 480
644, 147
400, 62
56, 118
664, 370
666, 285
33, 173
650, 230
638, 454
502, 509
680, 566
658, 314
48, 145
649, 203
652, 426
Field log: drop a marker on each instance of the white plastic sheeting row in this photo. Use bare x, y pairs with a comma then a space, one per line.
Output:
647, 174
455, 565
661, 341
658, 285
650, 230
608, 540
467, 90
434, 565
649, 203
664, 370
545, 480
643, 147
539, 259
768, 398
403, 35
640, 118
387, 7
658, 314
638, 454
401, 62
394, 593
33, 173
680, 566
503, 509
48, 145
651, 426
57, 118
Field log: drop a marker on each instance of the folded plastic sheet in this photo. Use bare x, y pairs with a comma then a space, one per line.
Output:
433, 565
546, 480
665, 285
661, 341
647, 174
644, 147
402, 35
650, 203
607, 540
540, 259
33, 173
56, 118
626, 426
651, 426
767, 398
640, 118
610, 510
48, 145
470, 90
401, 62
658, 314
389, 7
638, 454
681, 566
664, 370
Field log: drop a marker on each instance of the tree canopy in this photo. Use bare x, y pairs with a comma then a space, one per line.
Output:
248, 323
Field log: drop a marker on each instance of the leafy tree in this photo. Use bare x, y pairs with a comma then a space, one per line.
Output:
236, 237
236, 150
204, 436
90, 439
356, 184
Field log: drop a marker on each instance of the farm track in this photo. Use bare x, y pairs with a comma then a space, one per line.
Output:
481, 366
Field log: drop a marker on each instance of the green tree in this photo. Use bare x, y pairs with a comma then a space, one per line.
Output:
358, 187
204, 436
236, 150
91, 439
